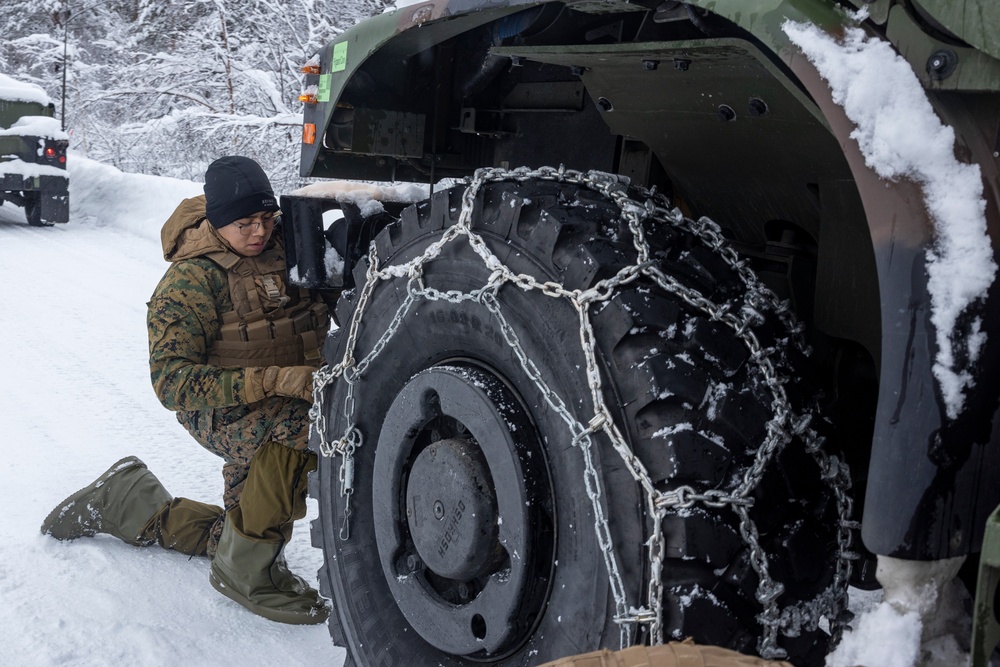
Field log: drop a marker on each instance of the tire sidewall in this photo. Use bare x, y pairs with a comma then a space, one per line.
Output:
577, 616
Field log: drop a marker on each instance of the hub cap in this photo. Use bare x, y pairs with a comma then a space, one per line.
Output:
451, 510
463, 512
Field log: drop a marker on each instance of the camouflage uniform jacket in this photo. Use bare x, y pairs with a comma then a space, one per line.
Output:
189, 311
188, 314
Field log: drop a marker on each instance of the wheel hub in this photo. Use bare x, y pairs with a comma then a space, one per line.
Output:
463, 512
451, 509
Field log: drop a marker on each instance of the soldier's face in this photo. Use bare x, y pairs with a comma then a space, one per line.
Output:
249, 236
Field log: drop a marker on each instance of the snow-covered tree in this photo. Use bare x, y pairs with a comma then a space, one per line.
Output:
165, 86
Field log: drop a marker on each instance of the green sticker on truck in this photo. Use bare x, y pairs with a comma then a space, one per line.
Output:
323, 89
339, 57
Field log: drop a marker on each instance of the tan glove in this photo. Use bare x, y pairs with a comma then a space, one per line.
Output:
290, 381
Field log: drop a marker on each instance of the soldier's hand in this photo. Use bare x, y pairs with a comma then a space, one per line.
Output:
290, 381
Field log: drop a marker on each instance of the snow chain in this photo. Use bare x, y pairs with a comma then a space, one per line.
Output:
785, 424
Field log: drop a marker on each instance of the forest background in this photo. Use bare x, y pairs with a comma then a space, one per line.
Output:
163, 87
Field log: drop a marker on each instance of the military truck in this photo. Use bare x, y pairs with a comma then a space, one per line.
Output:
707, 328
32, 154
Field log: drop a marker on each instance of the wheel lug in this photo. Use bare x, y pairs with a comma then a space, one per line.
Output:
413, 564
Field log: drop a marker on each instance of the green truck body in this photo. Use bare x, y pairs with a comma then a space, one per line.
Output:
722, 106
32, 155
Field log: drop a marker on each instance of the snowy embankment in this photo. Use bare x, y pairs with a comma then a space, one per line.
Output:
75, 397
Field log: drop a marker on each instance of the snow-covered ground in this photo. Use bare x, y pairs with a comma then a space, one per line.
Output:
75, 397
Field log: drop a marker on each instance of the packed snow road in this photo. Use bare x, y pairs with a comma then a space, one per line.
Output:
75, 397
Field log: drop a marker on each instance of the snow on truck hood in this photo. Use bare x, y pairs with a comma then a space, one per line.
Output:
353, 191
30, 169
19, 91
35, 126
366, 196
873, 83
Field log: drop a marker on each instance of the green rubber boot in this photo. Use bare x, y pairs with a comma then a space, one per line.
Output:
120, 502
253, 573
284, 578
248, 566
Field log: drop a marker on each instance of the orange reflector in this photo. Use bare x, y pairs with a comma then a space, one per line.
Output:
307, 98
310, 69
309, 133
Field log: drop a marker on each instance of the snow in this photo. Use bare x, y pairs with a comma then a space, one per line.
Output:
30, 169
901, 137
368, 197
76, 397
102, 195
671, 430
333, 262
399, 4
19, 91
35, 126
361, 194
919, 619
882, 637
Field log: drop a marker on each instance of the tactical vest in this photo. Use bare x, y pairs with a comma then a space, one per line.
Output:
265, 327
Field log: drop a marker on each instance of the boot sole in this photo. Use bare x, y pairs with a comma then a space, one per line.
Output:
49, 523
276, 615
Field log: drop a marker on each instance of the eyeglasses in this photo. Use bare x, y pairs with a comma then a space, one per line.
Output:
265, 220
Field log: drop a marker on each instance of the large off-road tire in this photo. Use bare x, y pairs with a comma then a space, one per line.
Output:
471, 532
33, 209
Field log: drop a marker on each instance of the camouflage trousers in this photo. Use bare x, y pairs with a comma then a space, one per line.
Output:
235, 434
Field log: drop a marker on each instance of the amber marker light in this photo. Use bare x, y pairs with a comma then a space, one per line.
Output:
310, 68
309, 133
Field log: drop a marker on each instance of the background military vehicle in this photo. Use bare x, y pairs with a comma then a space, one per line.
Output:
32, 154
569, 409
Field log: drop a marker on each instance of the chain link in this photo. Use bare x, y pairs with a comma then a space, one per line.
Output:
743, 318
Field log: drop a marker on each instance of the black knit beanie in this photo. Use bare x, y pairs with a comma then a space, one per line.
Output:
236, 187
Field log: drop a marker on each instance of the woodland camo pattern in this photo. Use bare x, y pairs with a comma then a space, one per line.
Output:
183, 320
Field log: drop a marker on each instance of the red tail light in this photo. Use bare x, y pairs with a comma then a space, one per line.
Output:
50, 152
